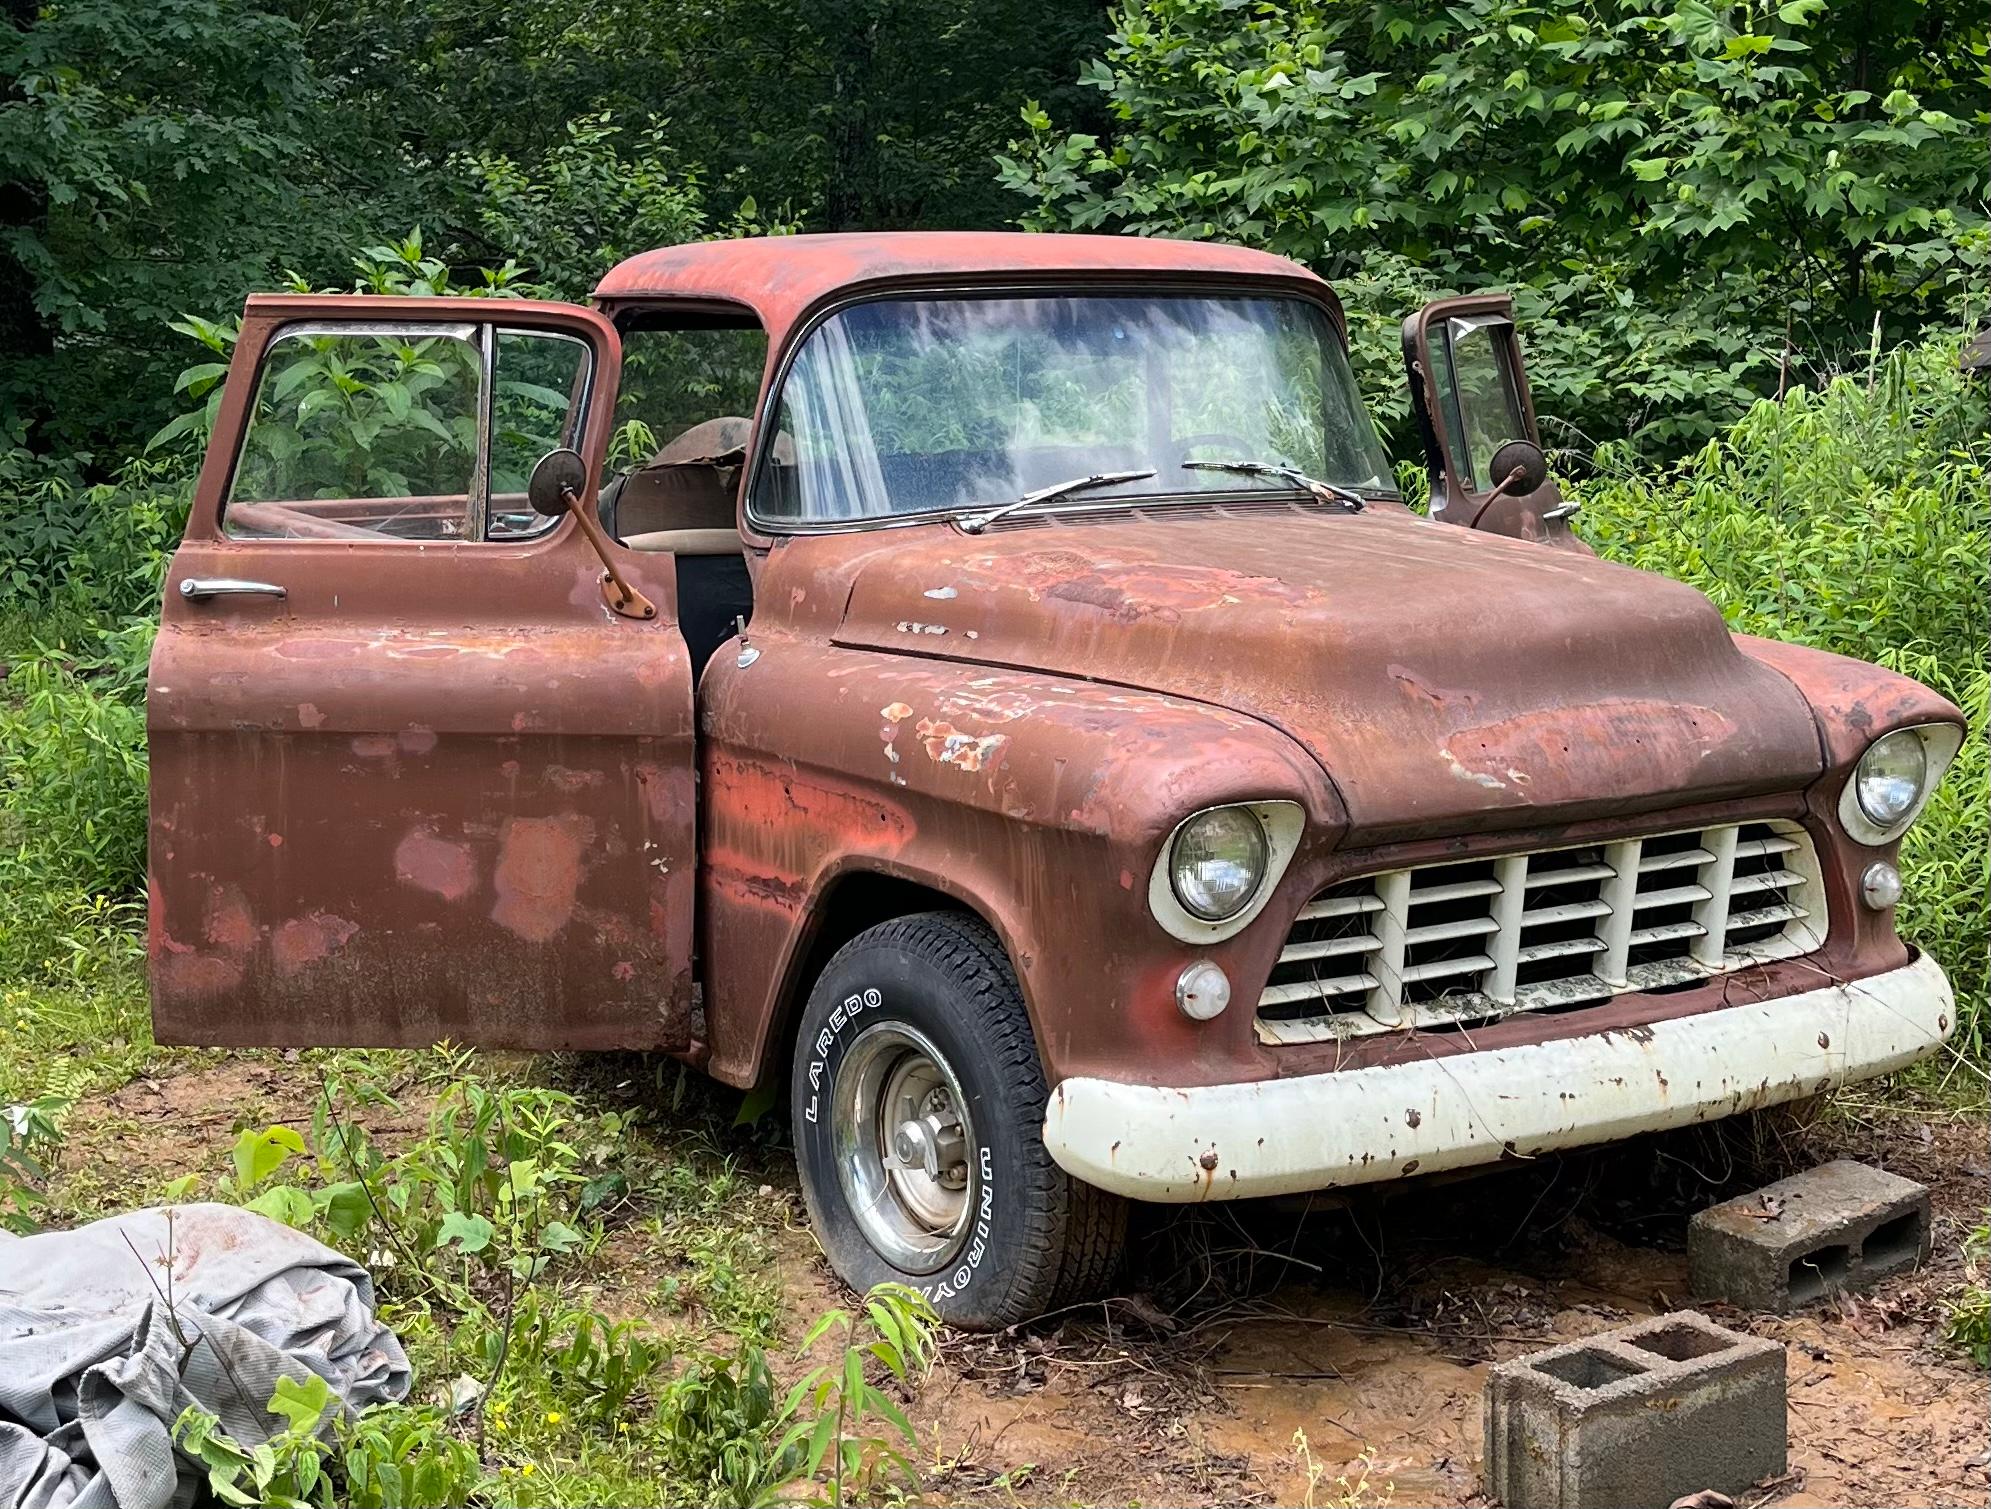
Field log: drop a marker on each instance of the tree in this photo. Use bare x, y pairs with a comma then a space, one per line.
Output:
1664, 175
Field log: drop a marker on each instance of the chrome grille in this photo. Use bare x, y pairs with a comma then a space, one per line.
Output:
1454, 944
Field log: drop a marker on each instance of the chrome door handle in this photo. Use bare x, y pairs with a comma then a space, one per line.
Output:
1566, 511
200, 588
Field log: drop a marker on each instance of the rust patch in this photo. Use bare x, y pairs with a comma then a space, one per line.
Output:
306, 940
437, 865
186, 973
538, 876
1418, 689
1512, 751
229, 923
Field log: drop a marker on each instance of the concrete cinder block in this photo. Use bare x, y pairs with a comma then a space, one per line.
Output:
1838, 1226
1636, 1417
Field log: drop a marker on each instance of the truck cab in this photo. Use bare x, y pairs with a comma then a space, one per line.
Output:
990, 689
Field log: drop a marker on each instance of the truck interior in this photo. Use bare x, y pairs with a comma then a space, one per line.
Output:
688, 381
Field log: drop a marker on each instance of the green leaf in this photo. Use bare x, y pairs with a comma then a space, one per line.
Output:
257, 1155
302, 1404
470, 1233
203, 373
285, 1203
344, 1207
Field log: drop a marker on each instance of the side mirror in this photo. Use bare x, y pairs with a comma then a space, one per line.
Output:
556, 483
1519, 468
555, 489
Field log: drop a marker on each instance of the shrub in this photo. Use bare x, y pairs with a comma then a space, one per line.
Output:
72, 808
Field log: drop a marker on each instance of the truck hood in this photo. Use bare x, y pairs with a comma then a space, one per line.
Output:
1447, 681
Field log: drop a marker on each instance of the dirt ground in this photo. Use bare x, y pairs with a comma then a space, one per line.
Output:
1369, 1332
1365, 1332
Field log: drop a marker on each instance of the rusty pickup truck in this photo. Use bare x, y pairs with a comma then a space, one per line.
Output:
991, 690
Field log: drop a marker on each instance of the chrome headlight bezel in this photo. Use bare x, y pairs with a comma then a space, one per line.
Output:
1281, 823
1938, 744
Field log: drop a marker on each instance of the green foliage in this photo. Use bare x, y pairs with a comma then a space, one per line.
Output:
389, 1457
154, 157
286, 1471
1852, 519
474, 1223
600, 194
834, 1399
1969, 1327
1672, 189
341, 416
405, 1457
72, 808
28, 1134
94, 551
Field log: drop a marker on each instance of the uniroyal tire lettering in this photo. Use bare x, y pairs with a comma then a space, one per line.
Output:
971, 1260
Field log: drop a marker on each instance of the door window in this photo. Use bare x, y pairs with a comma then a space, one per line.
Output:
417, 432
538, 396
1477, 390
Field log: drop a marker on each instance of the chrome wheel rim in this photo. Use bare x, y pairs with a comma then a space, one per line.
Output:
902, 1137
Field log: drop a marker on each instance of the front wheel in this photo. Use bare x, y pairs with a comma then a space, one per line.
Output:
918, 1105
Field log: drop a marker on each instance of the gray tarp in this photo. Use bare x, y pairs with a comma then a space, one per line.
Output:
93, 1372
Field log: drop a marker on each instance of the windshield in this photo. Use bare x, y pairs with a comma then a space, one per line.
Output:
909, 406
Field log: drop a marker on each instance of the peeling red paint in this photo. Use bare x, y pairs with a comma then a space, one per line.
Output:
950, 746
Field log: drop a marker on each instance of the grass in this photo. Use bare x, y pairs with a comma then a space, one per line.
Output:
678, 1394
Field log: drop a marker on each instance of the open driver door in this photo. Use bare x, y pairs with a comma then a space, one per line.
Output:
414, 775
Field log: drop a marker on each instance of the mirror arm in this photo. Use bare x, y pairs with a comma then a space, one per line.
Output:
1497, 494
624, 599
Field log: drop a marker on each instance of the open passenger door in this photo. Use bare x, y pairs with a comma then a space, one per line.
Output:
412, 777
1469, 390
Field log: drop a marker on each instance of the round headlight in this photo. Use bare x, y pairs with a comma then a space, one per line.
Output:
1891, 776
1217, 862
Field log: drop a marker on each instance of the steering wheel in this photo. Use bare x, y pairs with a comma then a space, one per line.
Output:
1240, 448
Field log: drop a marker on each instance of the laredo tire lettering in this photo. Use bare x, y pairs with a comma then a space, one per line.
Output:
840, 1018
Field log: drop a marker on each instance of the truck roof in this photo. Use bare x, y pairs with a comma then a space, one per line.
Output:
781, 278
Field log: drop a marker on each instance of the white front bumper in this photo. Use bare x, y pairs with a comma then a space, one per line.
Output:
1359, 1126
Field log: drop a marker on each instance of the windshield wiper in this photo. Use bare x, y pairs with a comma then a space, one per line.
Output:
975, 523
1326, 492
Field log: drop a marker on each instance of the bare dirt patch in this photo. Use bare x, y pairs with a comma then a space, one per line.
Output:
1376, 1343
